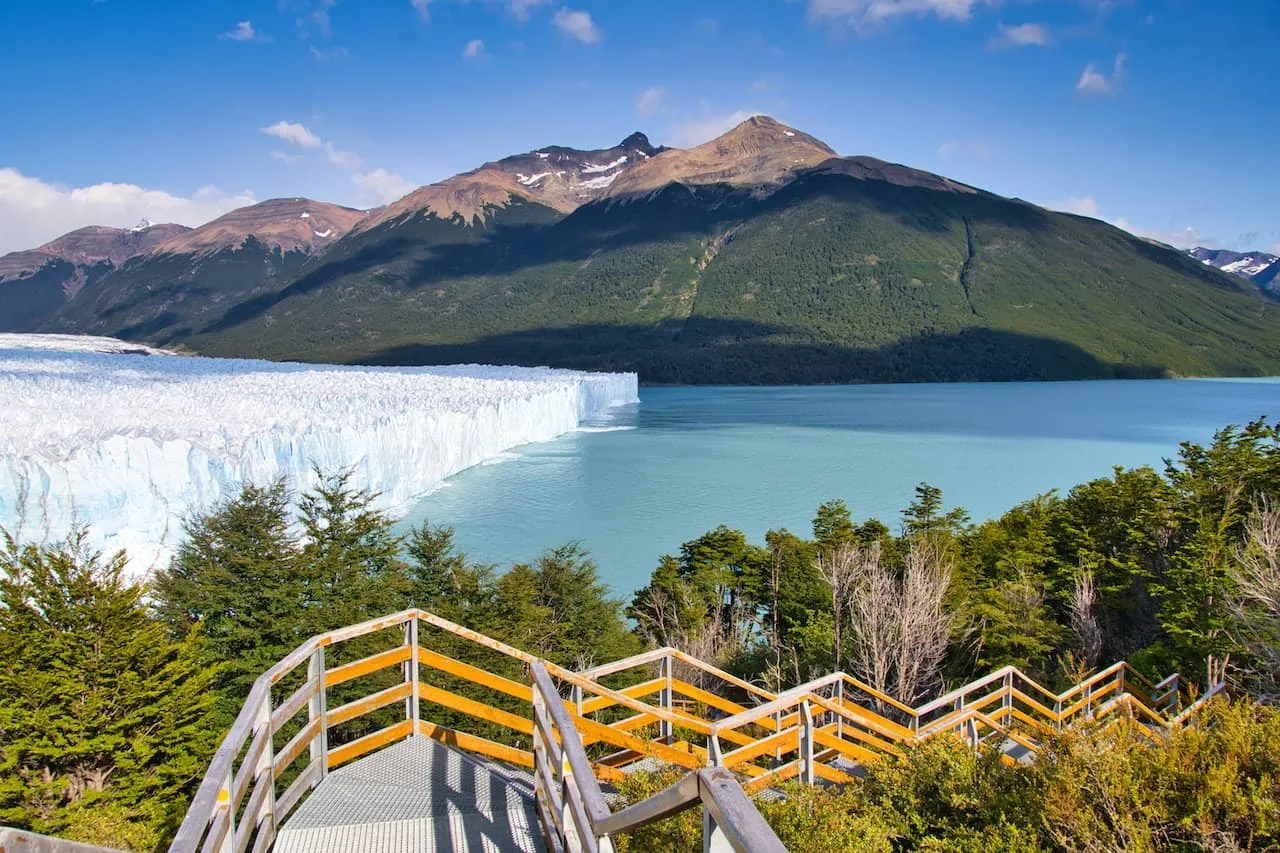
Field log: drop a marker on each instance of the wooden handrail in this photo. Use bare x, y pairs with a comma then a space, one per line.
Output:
238, 801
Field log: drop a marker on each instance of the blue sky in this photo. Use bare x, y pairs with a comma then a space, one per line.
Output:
1160, 115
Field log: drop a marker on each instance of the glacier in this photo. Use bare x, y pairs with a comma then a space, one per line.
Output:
131, 441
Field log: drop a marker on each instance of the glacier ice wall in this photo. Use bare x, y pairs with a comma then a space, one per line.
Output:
133, 444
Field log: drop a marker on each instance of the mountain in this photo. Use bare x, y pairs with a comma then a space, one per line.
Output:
558, 177
1259, 267
287, 224
759, 257
204, 269
36, 283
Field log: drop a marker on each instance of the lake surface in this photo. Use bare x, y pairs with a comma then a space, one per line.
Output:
650, 477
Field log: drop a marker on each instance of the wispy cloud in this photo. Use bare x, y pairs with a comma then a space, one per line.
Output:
1023, 35
521, 9
243, 31
700, 130
292, 131
285, 157
651, 101
474, 49
342, 159
577, 24
330, 55
423, 8
864, 14
963, 147
380, 187
33, 212
1095, 82
762, 86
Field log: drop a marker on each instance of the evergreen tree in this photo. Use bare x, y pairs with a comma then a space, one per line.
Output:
100, 711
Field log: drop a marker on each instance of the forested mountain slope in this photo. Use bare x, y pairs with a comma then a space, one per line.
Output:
755, 258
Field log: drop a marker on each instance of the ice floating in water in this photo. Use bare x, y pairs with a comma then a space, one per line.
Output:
132, 444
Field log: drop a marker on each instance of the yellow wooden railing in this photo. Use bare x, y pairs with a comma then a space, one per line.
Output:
327, 703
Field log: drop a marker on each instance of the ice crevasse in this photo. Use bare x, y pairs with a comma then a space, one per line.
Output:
132, 444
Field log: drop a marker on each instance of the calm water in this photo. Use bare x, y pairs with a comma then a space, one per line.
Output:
688, 459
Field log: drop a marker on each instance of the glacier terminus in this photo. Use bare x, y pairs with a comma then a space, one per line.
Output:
131, 441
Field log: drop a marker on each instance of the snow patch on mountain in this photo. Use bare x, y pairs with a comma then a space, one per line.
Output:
133, 444
590, 168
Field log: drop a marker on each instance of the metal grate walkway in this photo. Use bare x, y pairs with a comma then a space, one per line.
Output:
417, 796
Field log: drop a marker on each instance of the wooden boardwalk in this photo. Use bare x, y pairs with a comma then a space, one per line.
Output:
416, 796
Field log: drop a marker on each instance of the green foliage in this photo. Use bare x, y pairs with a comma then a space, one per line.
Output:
100, 712
1212, 787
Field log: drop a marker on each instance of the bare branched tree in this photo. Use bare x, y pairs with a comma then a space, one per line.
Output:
841, 569
1256, 603
900, 628
1084, 622
927, 626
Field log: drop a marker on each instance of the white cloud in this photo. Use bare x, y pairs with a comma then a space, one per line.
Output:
1023, 35
291, 131
284, 157
33, 212
650, 101
243, 31
863, 14
763, 86
342, 159
381, 187
697, 131
577, 24
1094, 82
1079, 205
423, 8
954, 147
520, 8
474, 49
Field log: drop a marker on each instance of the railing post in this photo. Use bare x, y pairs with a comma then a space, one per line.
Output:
1007, 702
665, 731
1120, 688
577, 699
840, 702
265, 771
411, 673
1088, 701
224, 804
806, 743
540, 759
715, 757
713, 837
572, 843
317, 709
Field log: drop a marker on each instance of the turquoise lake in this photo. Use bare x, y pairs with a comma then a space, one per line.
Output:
685, 460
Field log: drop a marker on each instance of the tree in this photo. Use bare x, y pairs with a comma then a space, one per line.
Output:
236, 575
901, 628
99, 709
1255, 605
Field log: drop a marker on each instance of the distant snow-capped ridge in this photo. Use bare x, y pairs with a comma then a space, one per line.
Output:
1259, 267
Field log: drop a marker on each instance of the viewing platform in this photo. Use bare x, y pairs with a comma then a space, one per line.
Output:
377, 738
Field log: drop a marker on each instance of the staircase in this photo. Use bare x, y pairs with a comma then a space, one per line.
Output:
343, 745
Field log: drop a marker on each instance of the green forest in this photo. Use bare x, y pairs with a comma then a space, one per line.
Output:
114, 693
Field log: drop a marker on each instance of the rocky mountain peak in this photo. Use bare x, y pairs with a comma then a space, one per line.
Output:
292, 224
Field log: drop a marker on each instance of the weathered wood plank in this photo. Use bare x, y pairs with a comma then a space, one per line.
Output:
360, 707
364, 666
474, 743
